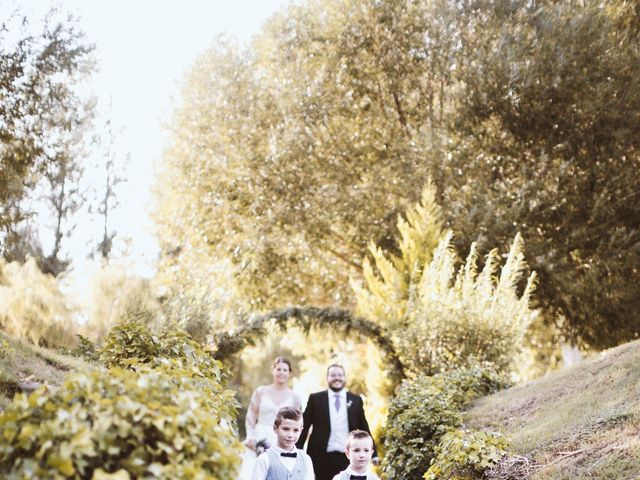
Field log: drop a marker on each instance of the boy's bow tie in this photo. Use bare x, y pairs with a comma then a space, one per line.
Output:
357, 477
292, 455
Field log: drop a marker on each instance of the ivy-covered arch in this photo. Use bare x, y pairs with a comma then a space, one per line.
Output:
334, 319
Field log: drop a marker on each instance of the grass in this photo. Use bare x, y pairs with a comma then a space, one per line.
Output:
21, 361
578, 423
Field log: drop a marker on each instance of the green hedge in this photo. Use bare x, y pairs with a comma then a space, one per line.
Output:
161, 410
424, 410
144, 424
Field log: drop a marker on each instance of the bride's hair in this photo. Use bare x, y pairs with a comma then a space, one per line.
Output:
282, 360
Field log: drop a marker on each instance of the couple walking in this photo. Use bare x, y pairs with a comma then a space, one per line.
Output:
330, 415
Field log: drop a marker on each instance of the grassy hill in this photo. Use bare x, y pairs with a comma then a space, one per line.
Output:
22, 362
579, 423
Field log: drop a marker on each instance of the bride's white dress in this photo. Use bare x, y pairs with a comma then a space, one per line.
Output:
267, 410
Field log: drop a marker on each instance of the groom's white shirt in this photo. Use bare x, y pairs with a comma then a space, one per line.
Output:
339, 422
263, 463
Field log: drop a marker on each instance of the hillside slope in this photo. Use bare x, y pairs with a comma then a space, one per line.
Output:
579, 423
22, 362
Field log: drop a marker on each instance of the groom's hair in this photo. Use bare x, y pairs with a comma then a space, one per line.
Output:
287, 413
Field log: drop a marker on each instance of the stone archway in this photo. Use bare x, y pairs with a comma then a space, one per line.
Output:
334, 319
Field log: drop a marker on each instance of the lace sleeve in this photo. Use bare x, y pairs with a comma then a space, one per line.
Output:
252, 413
297, 403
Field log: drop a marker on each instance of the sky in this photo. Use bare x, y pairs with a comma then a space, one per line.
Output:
143, 49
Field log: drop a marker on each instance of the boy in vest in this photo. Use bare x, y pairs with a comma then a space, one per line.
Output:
359, 451
284, 461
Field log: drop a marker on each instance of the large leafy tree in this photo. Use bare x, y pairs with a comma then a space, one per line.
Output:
546, 143
42, 112
290, 157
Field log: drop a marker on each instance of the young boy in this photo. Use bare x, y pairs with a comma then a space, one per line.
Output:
284, 460
359, 451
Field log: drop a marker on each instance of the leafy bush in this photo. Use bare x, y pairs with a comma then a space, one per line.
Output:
84, 348
131, 344
148, 424
424, 410
465, 455
446, 315
129, 340
172, 351
33, 308
462, 316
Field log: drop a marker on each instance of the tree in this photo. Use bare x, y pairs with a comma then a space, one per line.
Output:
546, 143
290, 157
107, 197
41, 108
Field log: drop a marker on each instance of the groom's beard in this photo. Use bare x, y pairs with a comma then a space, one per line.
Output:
336, 388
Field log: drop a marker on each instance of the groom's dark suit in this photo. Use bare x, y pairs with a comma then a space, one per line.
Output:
317, 415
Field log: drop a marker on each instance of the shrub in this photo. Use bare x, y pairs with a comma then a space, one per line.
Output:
131, 344
147, 424
85, 349
33, 308
445, 314
465, 455
461, 316
129, 340
424, 410
172, 351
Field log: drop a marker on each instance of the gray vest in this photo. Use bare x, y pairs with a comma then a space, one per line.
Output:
277, 471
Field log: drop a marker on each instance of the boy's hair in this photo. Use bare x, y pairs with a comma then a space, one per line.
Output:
357, 435
287, 413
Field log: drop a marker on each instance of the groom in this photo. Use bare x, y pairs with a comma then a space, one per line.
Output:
333, 414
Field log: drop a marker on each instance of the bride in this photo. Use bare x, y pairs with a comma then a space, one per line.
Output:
265, 403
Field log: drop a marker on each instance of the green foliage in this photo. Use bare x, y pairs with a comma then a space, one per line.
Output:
423, 410
444, 316
85, 349
137, 425
201, 301
32, 306
466, 454
391, 277
523, 113
241, 182
44, 114
461, 316
132, 344
546, 143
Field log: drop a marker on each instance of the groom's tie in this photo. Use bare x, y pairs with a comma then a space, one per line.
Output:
337, 402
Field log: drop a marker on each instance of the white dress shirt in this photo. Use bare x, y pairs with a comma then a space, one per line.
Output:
339, 422
263, 463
